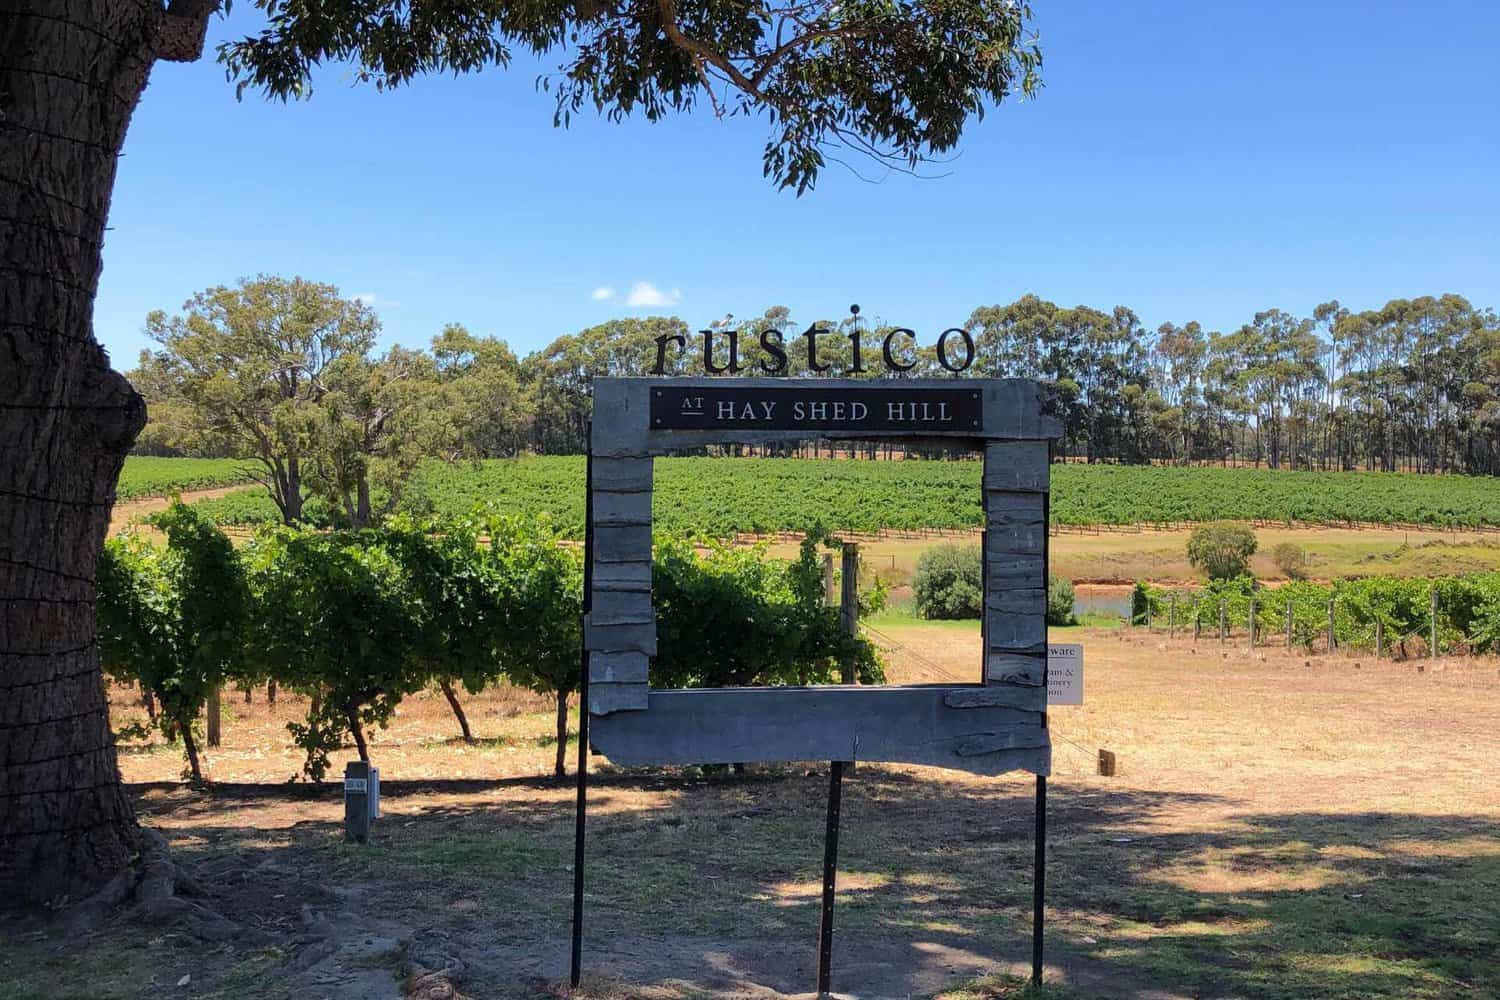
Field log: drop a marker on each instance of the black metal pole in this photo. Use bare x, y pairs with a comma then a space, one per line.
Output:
1039, 880
580, 819
1039, 860
830, 875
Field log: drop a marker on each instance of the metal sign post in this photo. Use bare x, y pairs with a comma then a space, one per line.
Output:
580, 819
1039, 880
830, 875
1039, 835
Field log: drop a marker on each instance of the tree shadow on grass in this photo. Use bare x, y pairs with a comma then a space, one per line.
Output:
711, 885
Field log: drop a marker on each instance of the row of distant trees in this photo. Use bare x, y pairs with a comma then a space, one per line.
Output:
285, 371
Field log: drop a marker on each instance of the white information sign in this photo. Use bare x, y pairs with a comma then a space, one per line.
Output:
1064, 673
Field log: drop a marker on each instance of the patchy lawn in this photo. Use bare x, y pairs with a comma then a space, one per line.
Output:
1281, 828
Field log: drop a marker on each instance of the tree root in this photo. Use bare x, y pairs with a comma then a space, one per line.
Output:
159, 893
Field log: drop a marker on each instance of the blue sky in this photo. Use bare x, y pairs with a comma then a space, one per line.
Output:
1191, 160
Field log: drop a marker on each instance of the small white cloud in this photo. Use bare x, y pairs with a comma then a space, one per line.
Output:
602, 294
645, 294
372, 300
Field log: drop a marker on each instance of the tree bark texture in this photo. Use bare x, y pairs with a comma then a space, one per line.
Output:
71, 74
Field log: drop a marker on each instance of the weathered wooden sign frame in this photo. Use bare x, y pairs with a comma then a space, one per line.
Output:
996, 725
987, 728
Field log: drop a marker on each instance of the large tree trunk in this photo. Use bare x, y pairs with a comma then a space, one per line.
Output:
292, 505
362, 502
71, 74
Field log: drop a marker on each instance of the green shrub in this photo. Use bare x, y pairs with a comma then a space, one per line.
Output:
733, 616
1291, 559
541, 599
333, 619
949, 582
1060, 598
173, 617
1141, 598
1221, 549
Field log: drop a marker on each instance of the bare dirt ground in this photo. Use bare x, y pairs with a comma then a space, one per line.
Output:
1280, 827
126, 511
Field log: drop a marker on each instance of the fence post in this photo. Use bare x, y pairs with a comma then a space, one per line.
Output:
1434, 623
1148, 612
1379, 638
849, 601
1289, 623
357, 811
1172, 617
1252, 623
1221, 622
1333, 637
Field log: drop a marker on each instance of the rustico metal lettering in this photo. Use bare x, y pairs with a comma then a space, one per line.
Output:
955, 350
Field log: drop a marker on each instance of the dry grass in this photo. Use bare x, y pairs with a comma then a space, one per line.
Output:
423, 739
1124, 557
1282, 827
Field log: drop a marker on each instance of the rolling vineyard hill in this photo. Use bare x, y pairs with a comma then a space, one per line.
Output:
720, 496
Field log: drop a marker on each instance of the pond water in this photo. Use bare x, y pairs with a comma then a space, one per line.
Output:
1114, 602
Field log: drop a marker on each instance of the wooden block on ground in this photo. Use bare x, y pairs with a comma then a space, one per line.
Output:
1106, 764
